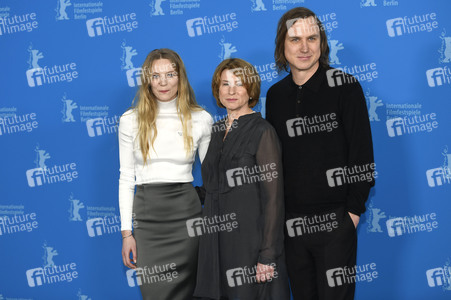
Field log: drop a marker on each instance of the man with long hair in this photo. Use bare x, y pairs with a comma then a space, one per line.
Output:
321, 118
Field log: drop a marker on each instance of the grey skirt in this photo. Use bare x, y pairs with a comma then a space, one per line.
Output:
167, 254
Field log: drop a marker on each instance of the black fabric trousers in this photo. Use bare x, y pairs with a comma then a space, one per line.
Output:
321, 253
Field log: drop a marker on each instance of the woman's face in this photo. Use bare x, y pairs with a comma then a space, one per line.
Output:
232, 93
164, 80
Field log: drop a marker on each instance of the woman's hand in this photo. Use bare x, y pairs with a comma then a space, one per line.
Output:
128, 245
264, 273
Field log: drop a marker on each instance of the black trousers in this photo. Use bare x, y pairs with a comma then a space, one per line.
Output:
321, 253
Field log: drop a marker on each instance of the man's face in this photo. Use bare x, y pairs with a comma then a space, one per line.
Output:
303, 45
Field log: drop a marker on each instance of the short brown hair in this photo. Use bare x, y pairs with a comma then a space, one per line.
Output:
282, 29
242, 69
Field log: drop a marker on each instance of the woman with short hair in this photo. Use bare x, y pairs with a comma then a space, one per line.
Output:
241, 242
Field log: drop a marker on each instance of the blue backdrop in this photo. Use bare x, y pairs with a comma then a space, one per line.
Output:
69, 68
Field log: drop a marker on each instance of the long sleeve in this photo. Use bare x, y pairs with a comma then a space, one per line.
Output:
272, 197
268, 108
357, 130
207, 122
127, 171
204, 142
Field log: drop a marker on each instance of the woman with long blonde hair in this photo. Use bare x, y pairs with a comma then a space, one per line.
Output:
158, 140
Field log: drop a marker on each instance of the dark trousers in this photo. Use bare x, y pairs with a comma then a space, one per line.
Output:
321, 255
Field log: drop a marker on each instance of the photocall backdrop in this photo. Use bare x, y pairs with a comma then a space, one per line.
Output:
70, 68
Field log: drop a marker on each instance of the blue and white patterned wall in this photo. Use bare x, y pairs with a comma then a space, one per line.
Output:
70, 68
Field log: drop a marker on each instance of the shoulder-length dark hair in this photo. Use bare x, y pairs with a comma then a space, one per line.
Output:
286, 21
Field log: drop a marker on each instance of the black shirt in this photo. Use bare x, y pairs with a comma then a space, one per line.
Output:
254, 196
327, 149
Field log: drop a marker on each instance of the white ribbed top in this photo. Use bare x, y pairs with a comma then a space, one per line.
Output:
168, 159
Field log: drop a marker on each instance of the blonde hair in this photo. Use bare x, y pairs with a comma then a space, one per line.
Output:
147, 108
